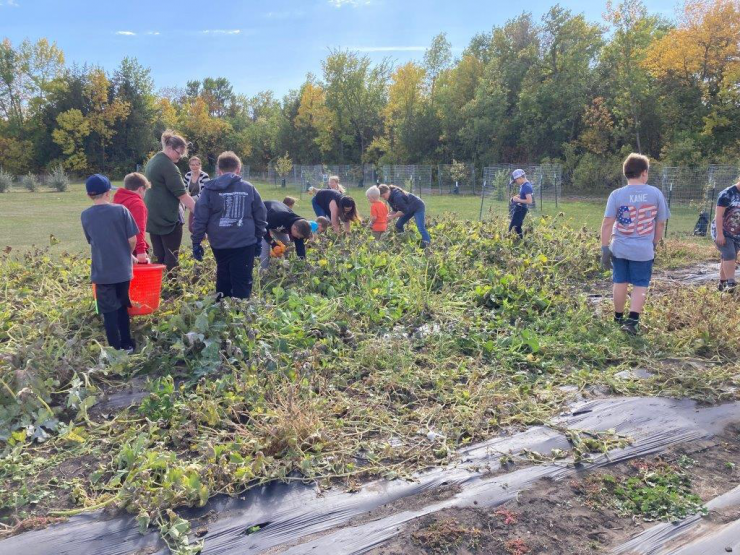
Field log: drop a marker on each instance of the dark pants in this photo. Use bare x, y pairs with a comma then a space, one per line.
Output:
234, 271
517, 219
167, 247
113, 302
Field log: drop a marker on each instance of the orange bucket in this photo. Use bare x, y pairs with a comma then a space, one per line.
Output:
144, 290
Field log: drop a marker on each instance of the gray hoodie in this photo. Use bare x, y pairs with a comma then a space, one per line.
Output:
231, 212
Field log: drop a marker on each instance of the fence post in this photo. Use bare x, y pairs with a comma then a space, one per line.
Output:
541, 194
670, 197
711, 206
482, 198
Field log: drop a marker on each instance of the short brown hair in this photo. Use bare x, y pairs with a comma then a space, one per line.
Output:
383, 188
634, 165
289, 202
228, 162
304, 228
193, 158
174, 141
323, 222
135, 181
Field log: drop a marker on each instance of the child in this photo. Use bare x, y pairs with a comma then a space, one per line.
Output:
378, 212
520, 202
333, 183
111, 232
323, 224
726, 235
289, 202
132, 197
636, 214
233, 215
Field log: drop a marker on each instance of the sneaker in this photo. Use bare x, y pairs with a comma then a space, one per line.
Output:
721, 286
630, 326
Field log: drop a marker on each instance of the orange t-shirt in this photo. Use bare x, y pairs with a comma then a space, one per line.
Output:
379, 211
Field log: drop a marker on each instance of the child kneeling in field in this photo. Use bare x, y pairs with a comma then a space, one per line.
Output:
378, 212
111, 232
635, 215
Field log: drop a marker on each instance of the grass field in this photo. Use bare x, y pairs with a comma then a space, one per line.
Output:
28, 219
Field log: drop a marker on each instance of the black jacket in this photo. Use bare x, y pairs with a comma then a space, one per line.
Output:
281, 218
402, 201
231, 212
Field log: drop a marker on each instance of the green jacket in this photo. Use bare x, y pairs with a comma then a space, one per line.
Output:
162, 199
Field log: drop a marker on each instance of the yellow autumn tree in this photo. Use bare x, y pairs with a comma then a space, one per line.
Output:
315, 117
103, 113
70, 136
406, 96
207, 133
703, 49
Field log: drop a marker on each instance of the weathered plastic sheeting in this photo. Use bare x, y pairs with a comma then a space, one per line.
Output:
703, 536
288, 513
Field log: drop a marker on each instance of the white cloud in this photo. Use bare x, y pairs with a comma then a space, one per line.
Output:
126, 33
153, 33
352, 3
8, 3
221, 31
389, 49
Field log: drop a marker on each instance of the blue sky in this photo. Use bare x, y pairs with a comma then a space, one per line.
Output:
259, 44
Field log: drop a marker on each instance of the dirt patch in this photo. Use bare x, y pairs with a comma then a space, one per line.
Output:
566, 517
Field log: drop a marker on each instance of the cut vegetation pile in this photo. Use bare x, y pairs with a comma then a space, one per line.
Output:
369, 359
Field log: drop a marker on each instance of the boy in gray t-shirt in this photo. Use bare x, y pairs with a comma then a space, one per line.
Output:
111, 231
633, 225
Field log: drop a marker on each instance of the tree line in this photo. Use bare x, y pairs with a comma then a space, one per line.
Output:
559, 89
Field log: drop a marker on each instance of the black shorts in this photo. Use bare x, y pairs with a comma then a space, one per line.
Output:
112, 296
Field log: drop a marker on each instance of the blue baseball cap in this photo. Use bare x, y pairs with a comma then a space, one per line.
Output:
516, 174
98, 184
314, 226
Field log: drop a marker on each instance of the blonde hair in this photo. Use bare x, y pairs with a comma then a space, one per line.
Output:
193, 159
339, 185
174, 141
373, 193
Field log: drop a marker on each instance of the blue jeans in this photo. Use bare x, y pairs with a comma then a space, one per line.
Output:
419, 219
317, 209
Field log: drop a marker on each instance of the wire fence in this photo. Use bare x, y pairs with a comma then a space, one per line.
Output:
415, 178
497, 189
691, 193
459, 178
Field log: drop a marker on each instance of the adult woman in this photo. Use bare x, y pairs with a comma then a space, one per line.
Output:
195, 177
335, 205
164, 198
406, 206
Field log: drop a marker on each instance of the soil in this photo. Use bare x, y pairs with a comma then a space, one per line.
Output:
562, 517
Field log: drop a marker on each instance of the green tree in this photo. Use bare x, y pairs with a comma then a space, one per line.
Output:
356, 91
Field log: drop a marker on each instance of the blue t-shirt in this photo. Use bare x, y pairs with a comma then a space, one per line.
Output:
108, 227
730, 200
525, 189
636, 208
